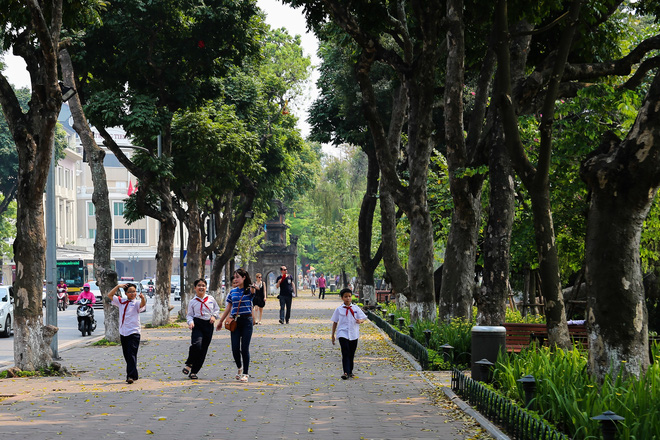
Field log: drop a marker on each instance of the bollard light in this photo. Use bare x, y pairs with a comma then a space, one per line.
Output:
447, 353
391, 315
411, 330
402, 322
485, 367
608, 424
529, 388
427, 337
384, 313
366, 303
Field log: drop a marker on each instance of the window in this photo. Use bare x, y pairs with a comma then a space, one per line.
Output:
91, 210
67, 179
119, 208
130, 236
92, 233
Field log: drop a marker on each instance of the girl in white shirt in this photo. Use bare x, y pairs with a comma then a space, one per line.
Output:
346, 321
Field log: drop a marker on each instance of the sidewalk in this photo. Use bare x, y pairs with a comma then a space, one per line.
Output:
295, 390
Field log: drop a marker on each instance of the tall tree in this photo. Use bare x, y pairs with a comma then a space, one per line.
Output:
106, 277
413, 53
32, 30
140, 75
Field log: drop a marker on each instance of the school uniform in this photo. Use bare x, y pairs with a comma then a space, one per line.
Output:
241, 337
200, 311
347, 333
129, 332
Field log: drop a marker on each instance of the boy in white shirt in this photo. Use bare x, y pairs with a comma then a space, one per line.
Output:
129, 325
346, 321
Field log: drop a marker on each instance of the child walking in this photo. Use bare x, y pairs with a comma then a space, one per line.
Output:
203, 310
346, 321
129, 325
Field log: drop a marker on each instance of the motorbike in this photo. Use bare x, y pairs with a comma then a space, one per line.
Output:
150, 291
62, 299
85, 313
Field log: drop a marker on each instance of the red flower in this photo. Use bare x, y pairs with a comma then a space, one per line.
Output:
201, 44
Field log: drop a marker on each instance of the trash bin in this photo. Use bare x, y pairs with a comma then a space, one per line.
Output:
332, 287
487, 341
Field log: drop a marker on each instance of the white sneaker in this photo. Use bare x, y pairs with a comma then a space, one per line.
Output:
239, 374
244, 378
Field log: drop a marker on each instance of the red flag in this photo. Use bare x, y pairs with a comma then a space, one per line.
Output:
130, 188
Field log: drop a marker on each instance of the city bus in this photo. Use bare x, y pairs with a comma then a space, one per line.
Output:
76, 272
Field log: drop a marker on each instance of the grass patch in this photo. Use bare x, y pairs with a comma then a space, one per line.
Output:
169, 325
52, 370
105, 343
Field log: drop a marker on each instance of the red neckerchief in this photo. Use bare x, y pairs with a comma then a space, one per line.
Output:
203, 304
123, 316
350, 309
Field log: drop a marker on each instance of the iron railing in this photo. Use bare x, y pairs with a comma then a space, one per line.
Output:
408, 343
513, 419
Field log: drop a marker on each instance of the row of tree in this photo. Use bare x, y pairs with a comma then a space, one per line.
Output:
201, 88
483, 83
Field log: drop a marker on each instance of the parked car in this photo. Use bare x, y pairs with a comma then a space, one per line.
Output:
177, 294
96, 290
127, 279
175, 281
6, 312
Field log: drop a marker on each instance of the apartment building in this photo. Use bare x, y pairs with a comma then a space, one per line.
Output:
134, 246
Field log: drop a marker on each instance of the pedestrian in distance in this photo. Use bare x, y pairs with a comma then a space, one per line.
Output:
203, 311
346, 320
312, 283
259, 301
129, 325
239, 305
287, 291
322, 285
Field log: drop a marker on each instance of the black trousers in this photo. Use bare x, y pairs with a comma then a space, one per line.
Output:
129, 346
348, 348
322, 292
285, 302
240, 342
202, 333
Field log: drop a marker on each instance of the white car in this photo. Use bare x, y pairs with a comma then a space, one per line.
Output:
6, 312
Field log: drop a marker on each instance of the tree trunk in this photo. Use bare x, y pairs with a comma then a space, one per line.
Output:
368, 264
164, 259
494, 293
623, 178
106, 277
194, 257
33, 133
395, 271
536, 180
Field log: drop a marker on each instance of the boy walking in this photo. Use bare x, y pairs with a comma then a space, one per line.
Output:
346, 321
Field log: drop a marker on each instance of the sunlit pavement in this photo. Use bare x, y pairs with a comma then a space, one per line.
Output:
295, 390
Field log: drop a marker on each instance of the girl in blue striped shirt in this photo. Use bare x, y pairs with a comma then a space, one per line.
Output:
239, 304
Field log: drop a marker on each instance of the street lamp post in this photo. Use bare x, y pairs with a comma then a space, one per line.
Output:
133, 258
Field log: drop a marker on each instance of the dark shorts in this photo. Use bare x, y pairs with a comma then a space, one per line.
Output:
259, 301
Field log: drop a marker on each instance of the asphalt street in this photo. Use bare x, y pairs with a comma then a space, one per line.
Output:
68, 333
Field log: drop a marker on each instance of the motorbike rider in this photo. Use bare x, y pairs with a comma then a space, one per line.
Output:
61, 286
87, 294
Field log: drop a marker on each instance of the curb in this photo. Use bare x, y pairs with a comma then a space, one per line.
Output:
493, 430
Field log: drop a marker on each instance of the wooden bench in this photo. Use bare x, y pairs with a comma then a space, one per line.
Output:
520, 335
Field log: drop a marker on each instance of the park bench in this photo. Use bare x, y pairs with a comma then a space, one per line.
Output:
520, 335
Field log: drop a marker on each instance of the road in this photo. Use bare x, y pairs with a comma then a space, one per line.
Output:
69, 334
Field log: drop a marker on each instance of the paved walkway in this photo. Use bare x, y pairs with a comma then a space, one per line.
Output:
295, 390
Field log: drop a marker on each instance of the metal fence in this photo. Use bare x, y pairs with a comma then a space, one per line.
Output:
404, 341
515, 420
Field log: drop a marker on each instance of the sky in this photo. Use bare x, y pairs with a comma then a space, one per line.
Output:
277, 16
